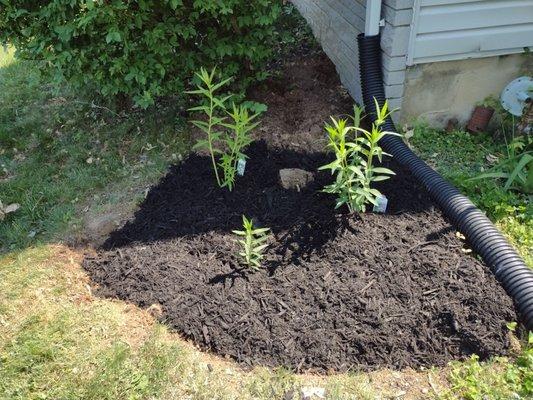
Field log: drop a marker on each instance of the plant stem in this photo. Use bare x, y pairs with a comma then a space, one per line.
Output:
349, 183
209, 137
369, 162
249, 245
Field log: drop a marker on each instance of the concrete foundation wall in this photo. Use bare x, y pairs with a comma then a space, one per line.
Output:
437, 92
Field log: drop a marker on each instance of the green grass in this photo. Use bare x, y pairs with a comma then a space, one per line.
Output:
58, 148
460, 156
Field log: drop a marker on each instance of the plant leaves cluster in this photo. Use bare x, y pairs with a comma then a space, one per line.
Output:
141, 49
252, 243
515, 167
225, 139
356, 150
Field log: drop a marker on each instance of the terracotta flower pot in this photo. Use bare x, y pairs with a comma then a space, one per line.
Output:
480, 119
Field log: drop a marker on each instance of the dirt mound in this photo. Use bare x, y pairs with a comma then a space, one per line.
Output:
337, 291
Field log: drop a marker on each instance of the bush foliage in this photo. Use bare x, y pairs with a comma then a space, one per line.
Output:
140, 49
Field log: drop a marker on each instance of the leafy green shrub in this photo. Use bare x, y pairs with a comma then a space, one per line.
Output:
252, 243
141, 49
232, 137
355, 152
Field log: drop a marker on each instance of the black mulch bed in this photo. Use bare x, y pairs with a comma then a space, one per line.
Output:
337, 291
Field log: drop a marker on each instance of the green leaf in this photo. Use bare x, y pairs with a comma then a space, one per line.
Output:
511, 326
261, 247
524, 160
380, 178
113, 36
200, 124
332, 165
260, 230
198, 108
356, 170
220, 84
381, 170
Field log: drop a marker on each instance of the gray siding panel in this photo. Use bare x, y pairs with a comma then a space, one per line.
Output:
480, 14
459, 29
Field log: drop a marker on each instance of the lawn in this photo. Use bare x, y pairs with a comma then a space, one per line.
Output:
65, 159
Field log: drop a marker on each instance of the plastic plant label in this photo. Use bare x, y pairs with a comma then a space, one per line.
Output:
241, 165
381, 206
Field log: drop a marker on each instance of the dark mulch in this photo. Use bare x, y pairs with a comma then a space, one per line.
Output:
336, 292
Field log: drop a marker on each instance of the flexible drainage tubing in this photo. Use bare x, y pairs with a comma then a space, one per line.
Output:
484, 237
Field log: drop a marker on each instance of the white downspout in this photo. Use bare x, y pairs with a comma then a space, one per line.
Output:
372, 17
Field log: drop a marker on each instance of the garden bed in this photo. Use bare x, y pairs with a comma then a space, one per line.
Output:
337, 291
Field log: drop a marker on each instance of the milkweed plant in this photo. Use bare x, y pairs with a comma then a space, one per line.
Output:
356, 150
227, 130
252, 243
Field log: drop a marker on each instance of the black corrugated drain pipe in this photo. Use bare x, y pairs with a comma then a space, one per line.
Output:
485, 239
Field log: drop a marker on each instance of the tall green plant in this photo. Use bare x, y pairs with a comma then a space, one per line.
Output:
235, 139
356, 150
225, 139
252, 243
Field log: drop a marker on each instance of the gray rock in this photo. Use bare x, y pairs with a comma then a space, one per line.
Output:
295, 178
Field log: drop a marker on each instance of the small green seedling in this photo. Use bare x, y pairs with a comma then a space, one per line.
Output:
252, 243
355, 152
224, 140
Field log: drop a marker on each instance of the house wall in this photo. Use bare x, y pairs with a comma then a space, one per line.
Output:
436, 92
445, 30
461, 52
440, 57
336, 24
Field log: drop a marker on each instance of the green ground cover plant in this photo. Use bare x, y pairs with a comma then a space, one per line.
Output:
497, 379
225, 139
141, 50
252, 243
356, 150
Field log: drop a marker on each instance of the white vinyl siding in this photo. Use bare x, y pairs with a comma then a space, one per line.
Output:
453, 30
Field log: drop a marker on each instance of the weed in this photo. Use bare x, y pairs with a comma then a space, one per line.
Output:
253, 243
355, 152
233, 139
516, 167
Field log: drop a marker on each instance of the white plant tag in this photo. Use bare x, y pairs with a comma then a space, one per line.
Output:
241, 165
381, 207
